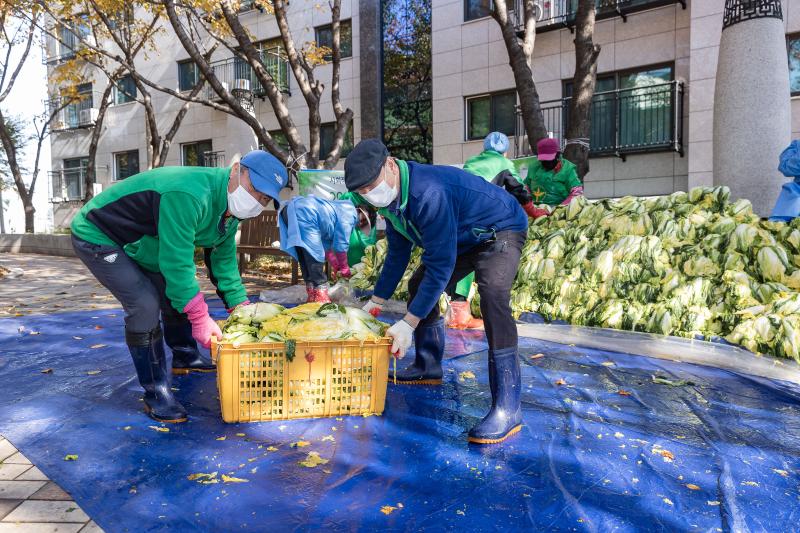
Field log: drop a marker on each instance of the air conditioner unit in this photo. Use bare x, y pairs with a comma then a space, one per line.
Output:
241, 84
88, 116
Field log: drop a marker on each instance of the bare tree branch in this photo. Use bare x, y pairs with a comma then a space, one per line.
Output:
15, 74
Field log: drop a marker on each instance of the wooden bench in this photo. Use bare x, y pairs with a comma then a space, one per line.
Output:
256, 238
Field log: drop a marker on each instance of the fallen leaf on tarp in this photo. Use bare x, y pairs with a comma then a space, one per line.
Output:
98, 327
97, 346
221, 438
240, 434
35, 333
618, 435
300, 444
160, 429
71, 457
783, 473
127, 428
672, 383
668, 501
750, 483
712, 502
281, 428
537, 356
252, 459
339, 418
202, 477
607, 363
47, 371
231, 479
467, 374
254, 470
692, 486
365, 415
313, 459
387, 509
132, 490
624, 392
459, 511
328, 437
561, 382
93, 372
272, 449
78, 338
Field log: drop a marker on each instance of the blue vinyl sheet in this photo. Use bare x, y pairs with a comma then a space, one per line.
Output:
603, 447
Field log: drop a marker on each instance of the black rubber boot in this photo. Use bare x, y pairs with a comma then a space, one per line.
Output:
505, 417
186, 357
427, 367
147, 350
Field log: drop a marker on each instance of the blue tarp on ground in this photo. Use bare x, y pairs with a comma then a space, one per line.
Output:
603, 448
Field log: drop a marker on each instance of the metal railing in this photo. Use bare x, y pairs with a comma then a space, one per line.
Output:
555, 14
214, 159
74, 112
235, 73
64, 47
67, 185
624, 121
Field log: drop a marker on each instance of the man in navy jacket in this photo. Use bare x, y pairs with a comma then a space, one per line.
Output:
463, 224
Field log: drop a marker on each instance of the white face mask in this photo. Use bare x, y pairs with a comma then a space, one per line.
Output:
382, 195
241, 203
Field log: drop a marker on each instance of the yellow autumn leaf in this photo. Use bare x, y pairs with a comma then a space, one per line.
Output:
93, 372
692, 486
272, 449
467, 374
221, 438
231, 479
387, 509
240, 434
202, 477
300, 444
783, 473
668, 501
71, 457
159, 429
97, 346
313, 459
328, 437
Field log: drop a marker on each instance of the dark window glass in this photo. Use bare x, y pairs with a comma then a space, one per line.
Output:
326, 135
494, 112
126, 164
188, 75
325, 38
126, 90
475, 9
793, 48
194, 153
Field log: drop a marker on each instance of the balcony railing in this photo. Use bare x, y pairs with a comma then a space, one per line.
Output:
65, 46
235, 73
67, 185
75, 113
214, 159
555, 14
624, 121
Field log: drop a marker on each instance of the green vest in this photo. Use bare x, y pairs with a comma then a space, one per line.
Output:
489, 164
549, 187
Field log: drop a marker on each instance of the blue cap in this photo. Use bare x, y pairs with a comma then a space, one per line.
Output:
267, 173
496, 141
789, 162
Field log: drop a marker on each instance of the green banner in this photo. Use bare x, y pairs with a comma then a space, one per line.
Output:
328, 184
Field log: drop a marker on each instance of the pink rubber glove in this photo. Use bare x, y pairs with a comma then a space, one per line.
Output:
203, 327
573, 193
330, 256
235, 307
533, 211
344, 268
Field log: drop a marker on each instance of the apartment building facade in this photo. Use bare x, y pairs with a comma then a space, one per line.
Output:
652, 114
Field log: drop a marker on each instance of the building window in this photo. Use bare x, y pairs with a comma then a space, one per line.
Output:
126, 164
125, 91
77, 113
326, 134
194, 153
630, 110
74, 177
325, 38
188, 75
491, 112
793, 48
476, 9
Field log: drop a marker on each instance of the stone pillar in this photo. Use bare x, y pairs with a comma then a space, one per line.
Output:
752, 111
370, 42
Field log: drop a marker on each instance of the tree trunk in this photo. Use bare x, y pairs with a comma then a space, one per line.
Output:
26, 196
2, 213
519, 58
583, 84
90, 178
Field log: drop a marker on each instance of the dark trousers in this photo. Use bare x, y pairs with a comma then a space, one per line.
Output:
141, 293
313, 271
495, 264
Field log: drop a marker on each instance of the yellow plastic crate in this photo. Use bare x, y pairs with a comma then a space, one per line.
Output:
257, 382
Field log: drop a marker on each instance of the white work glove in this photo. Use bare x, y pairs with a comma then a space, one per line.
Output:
372, 307
402, 333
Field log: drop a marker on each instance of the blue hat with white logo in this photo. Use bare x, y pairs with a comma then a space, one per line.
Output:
496, 141
267, 173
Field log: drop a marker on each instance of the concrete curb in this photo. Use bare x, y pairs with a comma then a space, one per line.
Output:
32, 243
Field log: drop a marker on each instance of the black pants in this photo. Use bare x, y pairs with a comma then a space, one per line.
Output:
141, 293
313, 271
495, 264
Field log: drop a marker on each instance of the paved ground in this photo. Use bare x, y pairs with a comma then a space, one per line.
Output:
29, 502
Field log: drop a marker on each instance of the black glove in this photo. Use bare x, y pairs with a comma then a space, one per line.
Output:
507, 181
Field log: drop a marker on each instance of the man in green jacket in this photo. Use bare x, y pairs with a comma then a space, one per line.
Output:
138, 239
551, 179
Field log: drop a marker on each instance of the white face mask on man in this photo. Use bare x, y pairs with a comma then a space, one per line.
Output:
241, 203
382, 195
